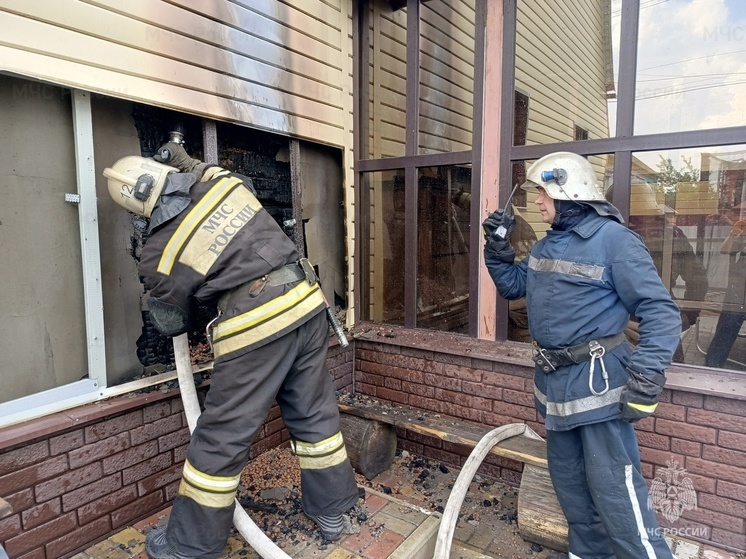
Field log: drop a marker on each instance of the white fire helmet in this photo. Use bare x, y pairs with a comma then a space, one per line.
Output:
565, 176
135, 183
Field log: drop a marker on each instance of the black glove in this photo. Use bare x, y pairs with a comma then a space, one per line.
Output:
688, 319
497, 229
168, 319
640, 397
175, 155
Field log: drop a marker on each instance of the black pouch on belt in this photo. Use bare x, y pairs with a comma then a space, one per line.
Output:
550, 359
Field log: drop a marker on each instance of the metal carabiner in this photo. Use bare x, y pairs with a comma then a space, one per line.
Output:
208, 330
597, 351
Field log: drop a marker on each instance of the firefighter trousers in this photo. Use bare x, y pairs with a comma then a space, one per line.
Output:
595, 471
292, 371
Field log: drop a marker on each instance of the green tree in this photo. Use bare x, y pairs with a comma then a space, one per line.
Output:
672, 181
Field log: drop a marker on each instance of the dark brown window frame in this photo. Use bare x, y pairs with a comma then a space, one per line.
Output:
622, 145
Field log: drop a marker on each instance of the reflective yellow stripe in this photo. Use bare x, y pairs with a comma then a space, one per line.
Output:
321, 462
214, 172
209, 226
207, 490
208, 482
646, 408
205, 498
326, 446
320, 455
255, 325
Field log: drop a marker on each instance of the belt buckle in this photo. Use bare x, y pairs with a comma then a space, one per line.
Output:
595, 349
542, 360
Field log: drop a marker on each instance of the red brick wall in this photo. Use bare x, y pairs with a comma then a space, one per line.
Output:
492, 383
75, 477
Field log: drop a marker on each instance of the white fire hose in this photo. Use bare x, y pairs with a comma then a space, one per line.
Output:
456, 498
259, 541
255, 537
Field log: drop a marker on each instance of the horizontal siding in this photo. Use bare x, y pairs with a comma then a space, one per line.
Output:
272, 65
446, 76
388, 83
565, 80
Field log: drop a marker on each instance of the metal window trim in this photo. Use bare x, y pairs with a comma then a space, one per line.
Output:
50, 401
89, 240
423, 160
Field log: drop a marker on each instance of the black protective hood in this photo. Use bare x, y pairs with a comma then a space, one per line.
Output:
605, 209
174, 198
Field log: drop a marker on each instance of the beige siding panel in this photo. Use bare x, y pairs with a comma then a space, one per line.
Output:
555, 107
297, 93
451, 28
460, 124
350, 179
391, 148
146, 91
184, 35
35, 36
388, 84
446, 76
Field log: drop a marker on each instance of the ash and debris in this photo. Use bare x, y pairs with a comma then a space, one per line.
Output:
364, 402
270, 493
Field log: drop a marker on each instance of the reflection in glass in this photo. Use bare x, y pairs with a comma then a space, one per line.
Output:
384, 254
690, 66
387, 82
447, 34
568, 82
688, 206
443, 248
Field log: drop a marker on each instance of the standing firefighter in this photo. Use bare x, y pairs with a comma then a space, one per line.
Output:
210, 239
582, 282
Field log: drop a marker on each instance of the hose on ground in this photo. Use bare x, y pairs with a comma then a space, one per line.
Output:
456, 498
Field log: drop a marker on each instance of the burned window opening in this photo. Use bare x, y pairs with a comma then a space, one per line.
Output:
257, 155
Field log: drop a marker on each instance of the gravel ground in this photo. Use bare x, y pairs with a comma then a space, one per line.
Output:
270, 492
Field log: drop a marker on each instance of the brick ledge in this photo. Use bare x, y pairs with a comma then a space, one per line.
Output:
686, 378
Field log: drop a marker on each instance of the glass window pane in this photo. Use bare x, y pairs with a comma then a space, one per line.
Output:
569, 83
688, 205
443, 229
387, 82
690, 66
383, 255
447, 33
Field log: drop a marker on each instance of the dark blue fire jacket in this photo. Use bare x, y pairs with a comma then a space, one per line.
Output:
580, 285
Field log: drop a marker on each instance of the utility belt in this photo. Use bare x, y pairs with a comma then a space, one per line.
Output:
289, 273
551, 359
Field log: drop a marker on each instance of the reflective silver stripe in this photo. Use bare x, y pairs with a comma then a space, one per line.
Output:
321, 448
589, 403
216, 484
323, 454
209, 491
566, 267
641, 530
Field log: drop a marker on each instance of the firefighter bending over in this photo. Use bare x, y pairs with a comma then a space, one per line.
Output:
210, 239
581, 283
